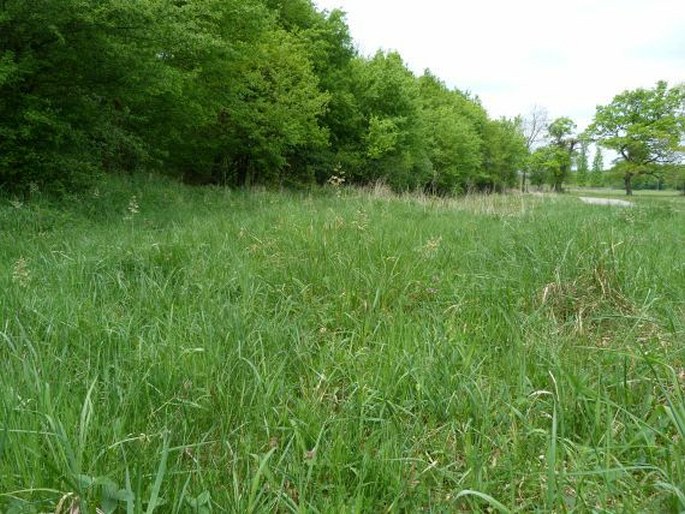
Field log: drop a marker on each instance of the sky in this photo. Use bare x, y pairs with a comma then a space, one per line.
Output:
566, 57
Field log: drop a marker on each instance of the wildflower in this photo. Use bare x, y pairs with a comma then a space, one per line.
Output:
133, 207
338, 177
336, 180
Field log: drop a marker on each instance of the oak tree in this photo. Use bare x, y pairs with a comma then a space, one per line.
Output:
644, 126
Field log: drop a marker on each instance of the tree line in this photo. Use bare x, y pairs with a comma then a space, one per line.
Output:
237, 92
644, 127
243, 92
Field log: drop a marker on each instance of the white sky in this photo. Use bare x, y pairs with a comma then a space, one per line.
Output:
567, 57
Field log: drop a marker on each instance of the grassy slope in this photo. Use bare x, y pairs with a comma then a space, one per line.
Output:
341, 352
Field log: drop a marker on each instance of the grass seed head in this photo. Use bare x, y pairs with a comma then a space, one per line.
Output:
21, 274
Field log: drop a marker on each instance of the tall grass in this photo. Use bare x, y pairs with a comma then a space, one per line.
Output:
171, 349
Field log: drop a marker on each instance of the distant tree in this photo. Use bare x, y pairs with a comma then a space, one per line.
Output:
645, 127
551, 163
582, 163
534, 127
675, 176
563, 143
464, 149
505, 152
598, 161
596, 175
539, 164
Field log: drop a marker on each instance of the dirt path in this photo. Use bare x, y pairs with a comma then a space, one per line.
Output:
606, 201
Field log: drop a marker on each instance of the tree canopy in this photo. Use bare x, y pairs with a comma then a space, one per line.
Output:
551, 163
644, 126
242, 92
229, 91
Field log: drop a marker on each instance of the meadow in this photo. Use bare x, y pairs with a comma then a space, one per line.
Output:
174, 349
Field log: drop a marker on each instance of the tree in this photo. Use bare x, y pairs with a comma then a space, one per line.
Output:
390, 146
675, 177
563, 145
596, 176
251, 100
539, 164
552, 163
73, 77
453, 145
582, 164
210, 89
534, 127
229, 91
644, 126
326, 39
505, 152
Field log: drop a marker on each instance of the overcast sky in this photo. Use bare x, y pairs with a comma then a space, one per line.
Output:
565, 56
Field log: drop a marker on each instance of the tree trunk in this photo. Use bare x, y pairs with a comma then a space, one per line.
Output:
628, 181
523, 183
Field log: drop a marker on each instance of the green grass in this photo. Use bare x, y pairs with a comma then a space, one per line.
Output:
172, 349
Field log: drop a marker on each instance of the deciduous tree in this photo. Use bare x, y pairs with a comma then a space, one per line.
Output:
597, 173
582, 162
644, 126
563, 143
534, 126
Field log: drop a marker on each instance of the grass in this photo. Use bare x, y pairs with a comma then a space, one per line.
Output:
172, 349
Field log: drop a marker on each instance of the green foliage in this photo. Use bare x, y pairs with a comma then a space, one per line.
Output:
597, 177
505, 152
560, 130
540, 164
582, 163
675, 176
255, 97
453, 144
551, 164
644, 126
233, 92
387, 96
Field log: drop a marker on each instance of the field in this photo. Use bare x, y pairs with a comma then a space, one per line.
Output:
174, 349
